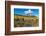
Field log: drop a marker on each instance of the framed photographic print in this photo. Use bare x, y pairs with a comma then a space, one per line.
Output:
24, 17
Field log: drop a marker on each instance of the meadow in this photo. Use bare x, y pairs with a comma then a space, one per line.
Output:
25, 21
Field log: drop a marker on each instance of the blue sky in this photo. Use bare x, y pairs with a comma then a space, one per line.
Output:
21, 11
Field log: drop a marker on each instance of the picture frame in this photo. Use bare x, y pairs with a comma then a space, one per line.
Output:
10, 5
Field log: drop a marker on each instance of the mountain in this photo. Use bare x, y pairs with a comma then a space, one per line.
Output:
25, 15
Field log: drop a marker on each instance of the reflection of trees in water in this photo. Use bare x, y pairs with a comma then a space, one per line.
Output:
20, 22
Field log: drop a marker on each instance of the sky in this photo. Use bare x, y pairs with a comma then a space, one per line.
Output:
22, 11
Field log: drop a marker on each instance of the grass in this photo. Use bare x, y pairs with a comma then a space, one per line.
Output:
21, 21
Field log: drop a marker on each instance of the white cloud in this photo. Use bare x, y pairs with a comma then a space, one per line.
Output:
28, 12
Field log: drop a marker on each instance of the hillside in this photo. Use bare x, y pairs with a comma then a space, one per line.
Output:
24, 16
